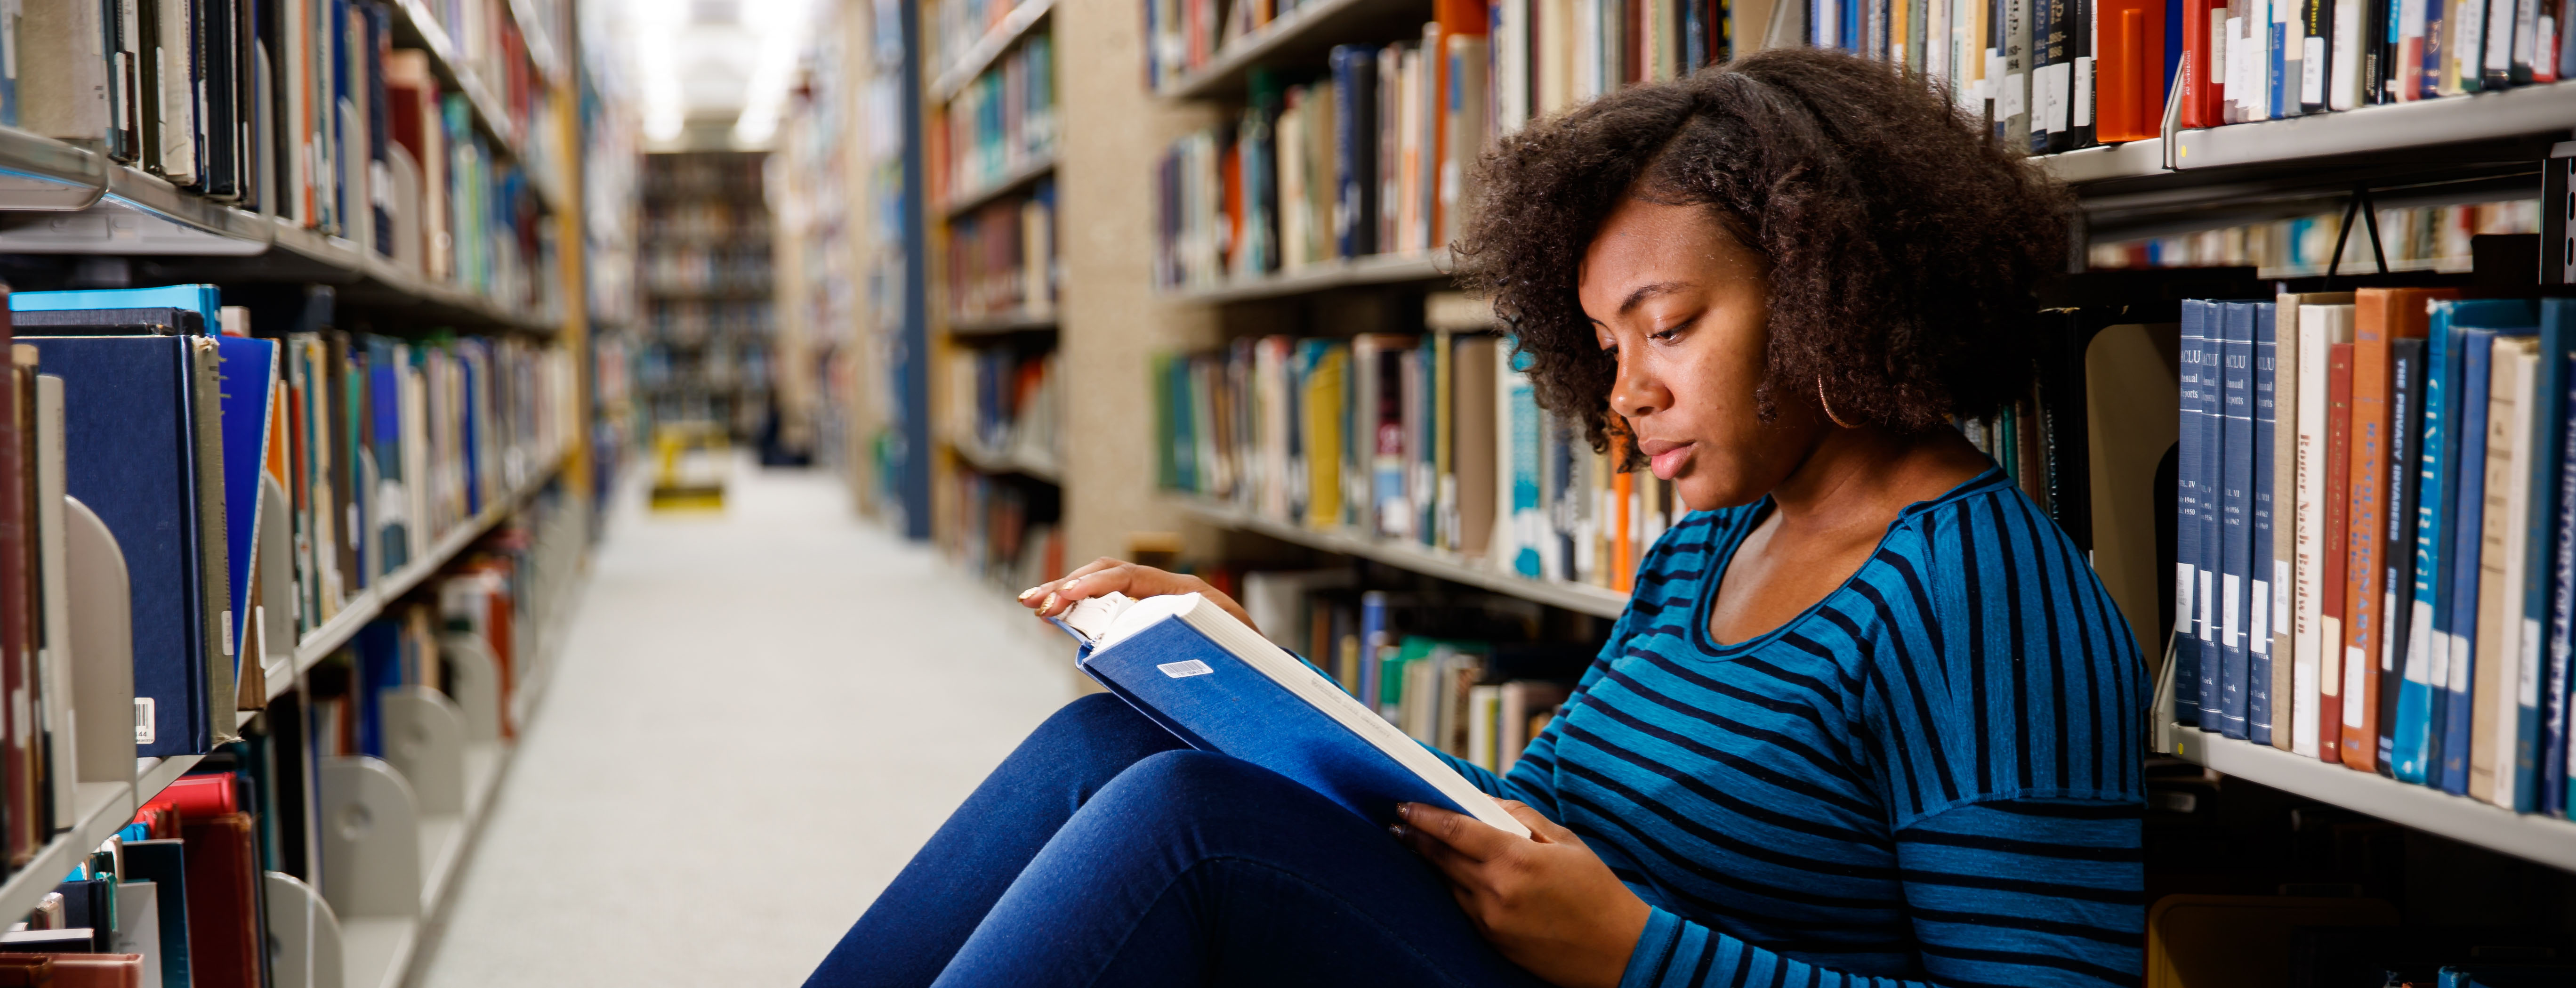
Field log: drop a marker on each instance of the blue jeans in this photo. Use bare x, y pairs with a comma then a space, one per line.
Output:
1102, 852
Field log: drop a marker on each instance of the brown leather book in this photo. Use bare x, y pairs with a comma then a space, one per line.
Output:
26, 971
223, 902
96, 970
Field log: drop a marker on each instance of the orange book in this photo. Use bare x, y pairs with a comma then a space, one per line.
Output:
1623, 537
2380, 315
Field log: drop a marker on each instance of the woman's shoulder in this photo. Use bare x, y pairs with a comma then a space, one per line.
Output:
1979, 527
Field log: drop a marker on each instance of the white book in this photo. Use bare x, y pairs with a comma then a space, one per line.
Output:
2502, 563
2344, 87
2319, 327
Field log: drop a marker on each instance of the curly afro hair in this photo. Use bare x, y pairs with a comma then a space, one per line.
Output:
1904, 241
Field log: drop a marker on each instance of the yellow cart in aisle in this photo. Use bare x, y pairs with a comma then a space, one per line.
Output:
690, 463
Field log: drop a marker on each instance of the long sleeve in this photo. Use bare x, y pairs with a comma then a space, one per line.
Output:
1979, 916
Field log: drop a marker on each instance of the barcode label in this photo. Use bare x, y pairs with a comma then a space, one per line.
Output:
1185, 669
143, 732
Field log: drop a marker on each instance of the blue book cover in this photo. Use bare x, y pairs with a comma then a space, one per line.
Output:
2557, 342
2452, 699
2428, 643
384, 393
379, 667
2259, 572
2213, 505
2235, 518
1219, 686
2405, 456
206, 300
163, 863
2562, 613
248, 368
130, 438
1528, 522
2191, 501
469, 437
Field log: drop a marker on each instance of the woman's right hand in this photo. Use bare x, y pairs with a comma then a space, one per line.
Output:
1103, 575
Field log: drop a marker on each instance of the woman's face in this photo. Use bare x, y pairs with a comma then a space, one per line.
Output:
1683, 306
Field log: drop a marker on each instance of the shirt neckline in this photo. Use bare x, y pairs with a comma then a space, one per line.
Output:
1715, 575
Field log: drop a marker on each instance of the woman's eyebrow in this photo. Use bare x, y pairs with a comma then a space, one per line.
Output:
1647, 291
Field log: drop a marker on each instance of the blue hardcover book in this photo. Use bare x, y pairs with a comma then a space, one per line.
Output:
2428, 643
2213, 510
1373, 640
384, 373
2405, 455
2452, 701
248, 368
206, 300
2192, 499
131, 435
2557, 342
379, 667
1355, 149
2258, 623
163, 863
1219, 686
2562, 613
2235, 517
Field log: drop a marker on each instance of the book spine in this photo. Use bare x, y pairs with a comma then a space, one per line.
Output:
2427, 645
2405, 446
2541, 644
2562, 610
2453, 704
2309, 597
2236, 511
2316, 26
2260, 574
2363, 540
1373, 641
2494, 690
2329, 727
2190, 502
2287, 504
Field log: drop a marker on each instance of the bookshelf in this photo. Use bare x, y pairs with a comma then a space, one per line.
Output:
1016, 180
1303, 33
1576, 597
1323, 276
979, 54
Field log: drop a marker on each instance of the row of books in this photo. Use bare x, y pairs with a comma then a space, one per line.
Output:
954, 26
2412, 238
711, 219
676, 183
174, 897
695, 320
375, 448
1376, 157
2377, 525
1001, 259
301, 109
1005, 531
1434, 440
1466, 674
741, 267
1006, 403
719, 365
1000, 123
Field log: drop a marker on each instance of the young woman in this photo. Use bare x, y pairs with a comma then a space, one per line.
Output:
1868, 718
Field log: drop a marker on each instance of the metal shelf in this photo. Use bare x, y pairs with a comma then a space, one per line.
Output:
1379, 269
321, 642
1302, 33
1011, 181
99, 810
1582, 598
998, 325
987, 48
39, 173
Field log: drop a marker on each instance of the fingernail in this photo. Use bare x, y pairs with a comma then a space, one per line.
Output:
1049, 605
1404, 810
1030, 592
1072, 583
1396, 829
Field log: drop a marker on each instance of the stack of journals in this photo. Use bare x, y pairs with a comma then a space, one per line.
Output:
2418, 238
1000, 123
2377, 519
304, 111
1001, 259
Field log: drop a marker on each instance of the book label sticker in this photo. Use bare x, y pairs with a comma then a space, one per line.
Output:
1185, 669
143, 732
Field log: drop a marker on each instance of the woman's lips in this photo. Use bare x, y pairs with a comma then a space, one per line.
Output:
1665, 457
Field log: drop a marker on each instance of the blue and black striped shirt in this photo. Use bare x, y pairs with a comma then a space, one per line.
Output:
1931, 776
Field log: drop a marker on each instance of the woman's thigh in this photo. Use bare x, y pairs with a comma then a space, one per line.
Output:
1193, 868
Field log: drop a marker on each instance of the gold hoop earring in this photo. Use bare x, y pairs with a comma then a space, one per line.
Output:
1829, 406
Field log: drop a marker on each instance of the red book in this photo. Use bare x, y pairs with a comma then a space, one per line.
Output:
2338, 521
224, 937
200, 796
2130, 99
2198, 78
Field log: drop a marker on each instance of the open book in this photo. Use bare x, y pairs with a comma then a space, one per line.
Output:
1218, 685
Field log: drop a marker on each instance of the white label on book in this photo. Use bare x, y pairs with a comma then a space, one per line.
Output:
228, 632
1185, 669
143, 732
2356, 671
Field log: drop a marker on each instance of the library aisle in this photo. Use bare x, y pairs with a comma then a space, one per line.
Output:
759, 716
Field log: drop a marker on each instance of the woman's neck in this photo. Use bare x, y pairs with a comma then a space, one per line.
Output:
1864, 477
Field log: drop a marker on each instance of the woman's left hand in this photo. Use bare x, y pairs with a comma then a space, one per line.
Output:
1548, 903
